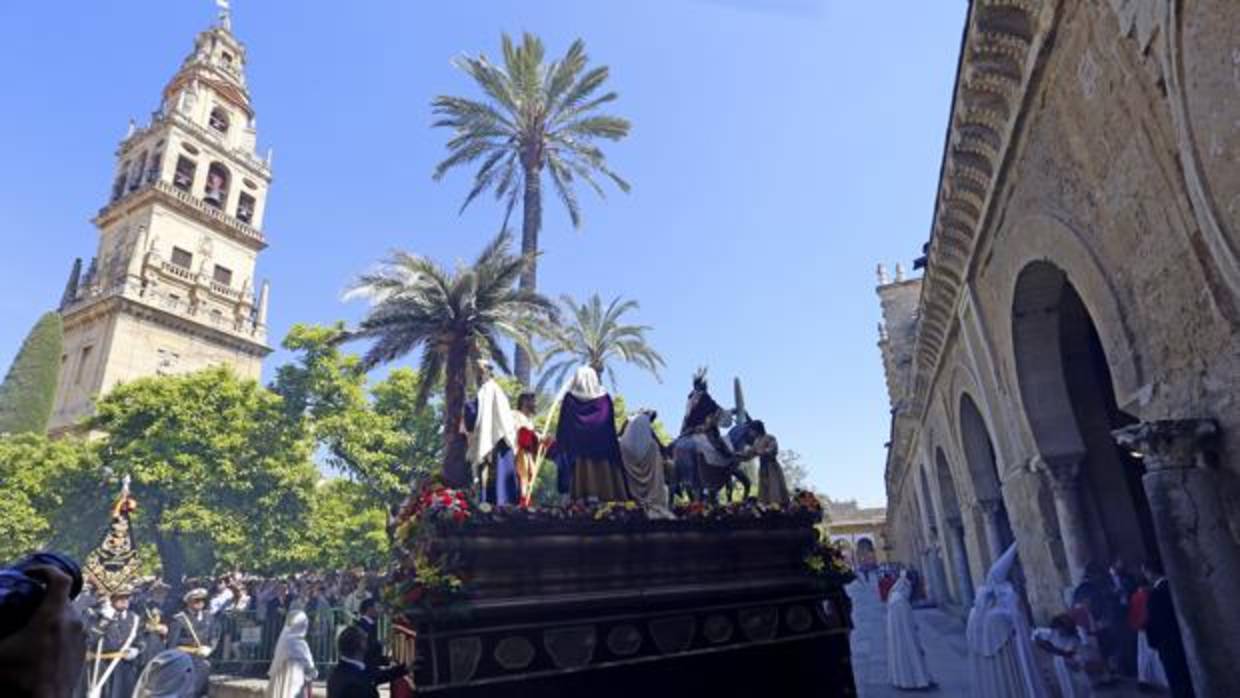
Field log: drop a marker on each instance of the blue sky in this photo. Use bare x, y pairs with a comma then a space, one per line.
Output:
780, 150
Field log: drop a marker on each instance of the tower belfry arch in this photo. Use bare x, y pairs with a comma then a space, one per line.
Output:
172, 286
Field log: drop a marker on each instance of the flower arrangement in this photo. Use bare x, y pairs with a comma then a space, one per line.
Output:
826, 562
424, 582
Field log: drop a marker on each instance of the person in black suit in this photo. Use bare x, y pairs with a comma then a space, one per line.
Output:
1163, 630
368, 623
351, 678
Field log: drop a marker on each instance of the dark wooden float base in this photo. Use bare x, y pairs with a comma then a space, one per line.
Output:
639, 610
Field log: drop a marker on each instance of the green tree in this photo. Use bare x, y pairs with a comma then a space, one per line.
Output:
383, 442
50, 495
345, 528
796, 473
29, 389
222, 475
594, 336
456, 317
534, 117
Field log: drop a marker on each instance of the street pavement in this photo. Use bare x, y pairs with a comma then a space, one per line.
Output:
942, 638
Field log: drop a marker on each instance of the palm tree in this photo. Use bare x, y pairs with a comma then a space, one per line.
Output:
535, 116
456, 317
593, 336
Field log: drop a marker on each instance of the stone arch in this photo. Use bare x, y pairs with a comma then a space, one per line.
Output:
977, 445
1043, 238
953, 518
1068, 394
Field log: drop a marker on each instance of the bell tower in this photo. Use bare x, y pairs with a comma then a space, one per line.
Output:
171, 287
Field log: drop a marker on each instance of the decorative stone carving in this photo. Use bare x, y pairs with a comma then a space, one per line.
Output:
1169, 443
798, 619
672, 635
717, 628
571, 648
463, 656
759, 624
624, 640
514, 653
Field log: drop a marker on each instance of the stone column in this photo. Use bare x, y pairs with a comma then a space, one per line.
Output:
1062, 472
964, 579
935, 576
1199, 554
990, 509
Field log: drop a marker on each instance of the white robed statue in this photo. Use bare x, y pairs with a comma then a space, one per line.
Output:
1001, 661
906, 662
292, 666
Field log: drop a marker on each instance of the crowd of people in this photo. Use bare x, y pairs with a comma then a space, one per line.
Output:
236, 619
1116, 624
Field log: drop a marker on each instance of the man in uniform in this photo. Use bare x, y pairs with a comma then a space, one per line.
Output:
151, 607
193, 631
115, 644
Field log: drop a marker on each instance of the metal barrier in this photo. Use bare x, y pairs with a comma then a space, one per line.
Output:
248, 640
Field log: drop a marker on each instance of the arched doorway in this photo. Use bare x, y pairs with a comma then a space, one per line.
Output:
979, 455
954, 521
1069, 399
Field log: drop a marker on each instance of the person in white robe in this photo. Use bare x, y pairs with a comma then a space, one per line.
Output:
906, 662
169, 675
1064, 641
643, 465
292, 666
1001, 660
492, 441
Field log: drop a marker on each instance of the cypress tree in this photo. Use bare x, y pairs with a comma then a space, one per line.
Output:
29, 389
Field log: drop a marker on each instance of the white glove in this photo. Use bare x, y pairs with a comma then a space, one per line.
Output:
131, 653
108, 612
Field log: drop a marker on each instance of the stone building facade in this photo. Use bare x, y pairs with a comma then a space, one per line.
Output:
171, 288
1065, 373
860, 531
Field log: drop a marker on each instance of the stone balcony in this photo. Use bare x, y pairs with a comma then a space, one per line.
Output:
157, 296
186, 203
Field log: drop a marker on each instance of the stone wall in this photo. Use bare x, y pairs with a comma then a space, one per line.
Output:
1082, 276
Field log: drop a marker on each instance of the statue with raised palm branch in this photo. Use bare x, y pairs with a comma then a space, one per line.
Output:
595, 335
455, 317
534, 117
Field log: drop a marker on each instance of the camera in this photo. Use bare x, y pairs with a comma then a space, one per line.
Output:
21, 594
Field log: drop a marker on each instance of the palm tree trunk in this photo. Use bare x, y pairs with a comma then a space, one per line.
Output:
455, 469
530, 226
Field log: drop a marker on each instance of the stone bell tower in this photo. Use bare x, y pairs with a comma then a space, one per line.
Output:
171, 288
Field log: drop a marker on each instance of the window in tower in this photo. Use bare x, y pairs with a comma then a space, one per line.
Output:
222, 275
184, 177
218, 119
118, 187
81, 367
217, 185
135, 178
245, 208
182, 258
152, 169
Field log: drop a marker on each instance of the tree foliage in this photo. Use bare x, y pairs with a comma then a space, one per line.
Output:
345, 528
534, 116
223, 476
46, 490
455, 317
381, 441
594, 336
29, 390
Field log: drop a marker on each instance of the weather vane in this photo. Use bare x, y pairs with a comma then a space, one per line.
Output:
225, 16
